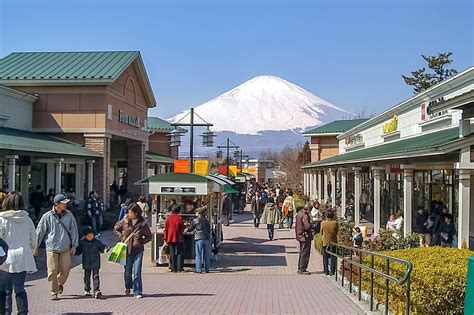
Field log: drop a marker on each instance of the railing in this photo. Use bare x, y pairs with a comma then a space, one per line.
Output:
342, 251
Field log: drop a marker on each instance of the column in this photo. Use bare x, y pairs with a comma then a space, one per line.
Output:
325, 188
378, 173
333, 187
57, 175
24, 187
343, 190
11, 172
464, 206
356, 195
100, 143
90, 175
407, 200
320, 187
305, 183
315, 185
136, 168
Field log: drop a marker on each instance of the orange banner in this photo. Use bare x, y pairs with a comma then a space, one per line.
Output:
181, 166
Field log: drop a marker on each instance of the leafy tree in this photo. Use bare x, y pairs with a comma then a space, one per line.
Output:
422, 80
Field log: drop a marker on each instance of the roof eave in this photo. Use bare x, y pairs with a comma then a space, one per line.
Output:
329, 134
151, 101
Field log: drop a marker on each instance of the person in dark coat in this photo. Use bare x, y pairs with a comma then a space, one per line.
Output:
447, 231
257, 205
420, 226
90, 248
226, 209
174, 237
304, 236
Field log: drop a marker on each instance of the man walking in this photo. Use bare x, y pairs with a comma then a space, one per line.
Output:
257, 204
329, 230
59, 228
304, 236
95, 208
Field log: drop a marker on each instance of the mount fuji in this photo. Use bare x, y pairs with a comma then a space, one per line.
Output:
264, 113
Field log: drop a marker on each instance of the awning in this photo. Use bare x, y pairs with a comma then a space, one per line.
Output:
177, 184
15, 140
158, 158
434, 143
228, 189
224, 178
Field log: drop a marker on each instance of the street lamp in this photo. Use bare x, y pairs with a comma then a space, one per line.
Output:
175, 137
207, 136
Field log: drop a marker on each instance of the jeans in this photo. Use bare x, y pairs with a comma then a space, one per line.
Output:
134, 265
289, 219
305, 251
271, 231
329, 261
203, 253
95, 280
256, 219
15, 282
97, 222
176, 256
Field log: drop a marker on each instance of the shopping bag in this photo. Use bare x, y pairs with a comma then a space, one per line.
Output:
163, 258
118, 254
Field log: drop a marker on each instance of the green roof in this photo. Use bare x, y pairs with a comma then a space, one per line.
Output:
155, 123
158, 158
176, 177
337, 126
228, 189
20, 140
426, 144
100, 65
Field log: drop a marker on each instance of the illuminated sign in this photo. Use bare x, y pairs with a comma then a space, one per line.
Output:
129, 120
391, 126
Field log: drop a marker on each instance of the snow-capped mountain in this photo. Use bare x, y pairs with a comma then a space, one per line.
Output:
266, 103
266, 112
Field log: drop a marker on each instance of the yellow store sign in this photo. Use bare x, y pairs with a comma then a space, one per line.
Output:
201, 167
391, 126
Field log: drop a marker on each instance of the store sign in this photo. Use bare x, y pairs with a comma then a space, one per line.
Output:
178, 190
181, 166
391, 126
427, 111
129, 120
354, 140
395, 168
201, 167
233, 170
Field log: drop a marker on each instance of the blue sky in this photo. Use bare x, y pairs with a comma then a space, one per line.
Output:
351, 53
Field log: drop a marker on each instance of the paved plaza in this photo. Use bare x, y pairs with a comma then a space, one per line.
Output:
252, 275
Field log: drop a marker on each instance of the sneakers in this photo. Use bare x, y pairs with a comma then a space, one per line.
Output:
98, 295
60, 289
54, 297
138, 296
304, 272
87, 293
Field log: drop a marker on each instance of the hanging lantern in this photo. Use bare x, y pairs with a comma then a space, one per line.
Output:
219, 154
208, 138
175, 138
236, 154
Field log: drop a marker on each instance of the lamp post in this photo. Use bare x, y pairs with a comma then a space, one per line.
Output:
228, 146
207, 136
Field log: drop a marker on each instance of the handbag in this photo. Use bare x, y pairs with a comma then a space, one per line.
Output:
166, 249
118, 254
163, 258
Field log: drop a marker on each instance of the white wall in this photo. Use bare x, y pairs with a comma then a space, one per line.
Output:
18, 109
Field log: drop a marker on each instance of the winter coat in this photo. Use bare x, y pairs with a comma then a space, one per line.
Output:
18, 231
201, 228
257, 205
447, 232
58, 239
136, 243
329, 229
227, 205
303, 226
174, 228
90, 251
270, 215
94, 207
420, 220
289, 205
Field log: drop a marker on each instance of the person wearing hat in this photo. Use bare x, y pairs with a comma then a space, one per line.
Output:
58, 228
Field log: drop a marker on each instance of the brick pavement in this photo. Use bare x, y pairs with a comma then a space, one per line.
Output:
252, 275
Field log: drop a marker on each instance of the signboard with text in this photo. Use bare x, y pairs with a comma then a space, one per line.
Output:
181, 166
201, 167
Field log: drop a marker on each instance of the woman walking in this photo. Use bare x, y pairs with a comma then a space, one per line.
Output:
271, 216
18, 231
135, 230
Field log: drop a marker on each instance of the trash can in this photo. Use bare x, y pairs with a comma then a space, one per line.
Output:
469, 301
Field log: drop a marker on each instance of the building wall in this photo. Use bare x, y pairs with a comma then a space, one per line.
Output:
323, 147
159, 143
17, 110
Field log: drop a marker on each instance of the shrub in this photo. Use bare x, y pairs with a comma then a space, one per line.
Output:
438, 280
388, 240
344, 234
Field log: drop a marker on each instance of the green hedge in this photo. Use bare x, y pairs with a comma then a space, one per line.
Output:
438, 280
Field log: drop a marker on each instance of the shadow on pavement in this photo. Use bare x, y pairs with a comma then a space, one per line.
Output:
251, 261
244, 248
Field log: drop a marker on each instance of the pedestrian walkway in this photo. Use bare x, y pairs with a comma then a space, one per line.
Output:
252, 275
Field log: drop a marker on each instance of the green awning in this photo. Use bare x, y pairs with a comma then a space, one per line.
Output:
228, 189
15, 140
174, 178
434, 143
158, 158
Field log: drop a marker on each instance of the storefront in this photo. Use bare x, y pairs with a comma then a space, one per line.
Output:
417, 153
97, 101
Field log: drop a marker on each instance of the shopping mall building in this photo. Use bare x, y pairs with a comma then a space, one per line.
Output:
78, 121
420, 150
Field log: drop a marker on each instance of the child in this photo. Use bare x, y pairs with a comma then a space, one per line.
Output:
90, 248
357, 239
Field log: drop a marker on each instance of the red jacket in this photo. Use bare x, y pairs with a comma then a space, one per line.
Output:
174, 228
